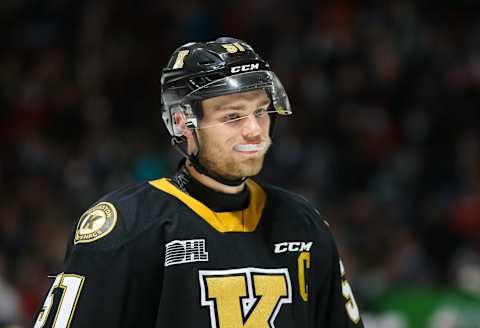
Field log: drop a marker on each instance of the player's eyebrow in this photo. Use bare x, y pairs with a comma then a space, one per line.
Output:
241, 107
229, 107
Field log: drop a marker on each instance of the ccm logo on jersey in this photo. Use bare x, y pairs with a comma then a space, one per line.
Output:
244, 68
292, 246
185, 251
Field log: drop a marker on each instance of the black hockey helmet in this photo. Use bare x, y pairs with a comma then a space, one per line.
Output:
200, 70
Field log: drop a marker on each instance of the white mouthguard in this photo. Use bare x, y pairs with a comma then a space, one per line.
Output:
249, 147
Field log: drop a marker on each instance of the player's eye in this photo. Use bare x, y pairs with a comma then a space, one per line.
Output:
230, 117
260, 112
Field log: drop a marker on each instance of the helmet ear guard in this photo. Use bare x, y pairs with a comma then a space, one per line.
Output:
177, 126
177, 117
179, 121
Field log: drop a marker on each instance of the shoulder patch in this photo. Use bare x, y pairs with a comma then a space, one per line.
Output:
96, 223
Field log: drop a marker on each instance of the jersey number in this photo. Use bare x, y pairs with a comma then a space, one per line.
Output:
245, 298
60, 302
233, 47
350, 305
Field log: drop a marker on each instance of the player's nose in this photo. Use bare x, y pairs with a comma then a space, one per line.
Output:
251, 126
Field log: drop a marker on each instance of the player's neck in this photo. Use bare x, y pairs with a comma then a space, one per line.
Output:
214, 184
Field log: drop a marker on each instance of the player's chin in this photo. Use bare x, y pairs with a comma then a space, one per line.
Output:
251, 167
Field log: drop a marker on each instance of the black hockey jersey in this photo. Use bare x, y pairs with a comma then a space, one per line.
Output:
153, 256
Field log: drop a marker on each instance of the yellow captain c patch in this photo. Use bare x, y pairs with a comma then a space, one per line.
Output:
96, 223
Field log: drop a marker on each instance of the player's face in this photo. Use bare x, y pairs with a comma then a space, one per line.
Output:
234, 133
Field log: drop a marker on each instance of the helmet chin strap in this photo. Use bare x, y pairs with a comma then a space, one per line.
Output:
194, 160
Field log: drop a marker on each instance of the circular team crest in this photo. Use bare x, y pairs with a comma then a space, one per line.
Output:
96, 223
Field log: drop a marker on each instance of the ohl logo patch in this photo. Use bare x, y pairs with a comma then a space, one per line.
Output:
96, 223
185, 251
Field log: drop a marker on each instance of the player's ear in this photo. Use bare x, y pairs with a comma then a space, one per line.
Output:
179, 126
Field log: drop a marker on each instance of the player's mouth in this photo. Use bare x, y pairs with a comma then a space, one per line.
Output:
250, 148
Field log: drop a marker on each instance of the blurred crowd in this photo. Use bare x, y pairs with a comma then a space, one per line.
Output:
384, 139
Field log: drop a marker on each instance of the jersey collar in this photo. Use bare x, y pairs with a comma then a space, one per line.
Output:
236, 221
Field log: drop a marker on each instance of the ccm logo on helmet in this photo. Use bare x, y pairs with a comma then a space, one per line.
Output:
244, 68
293, 246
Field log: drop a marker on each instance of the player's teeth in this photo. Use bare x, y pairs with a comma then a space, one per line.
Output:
249, 147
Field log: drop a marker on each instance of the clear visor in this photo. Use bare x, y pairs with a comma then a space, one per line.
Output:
246, 82
259, 114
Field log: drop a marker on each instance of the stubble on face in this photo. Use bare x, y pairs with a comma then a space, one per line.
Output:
218, 158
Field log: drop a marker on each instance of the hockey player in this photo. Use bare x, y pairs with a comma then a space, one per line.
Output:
208, 247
